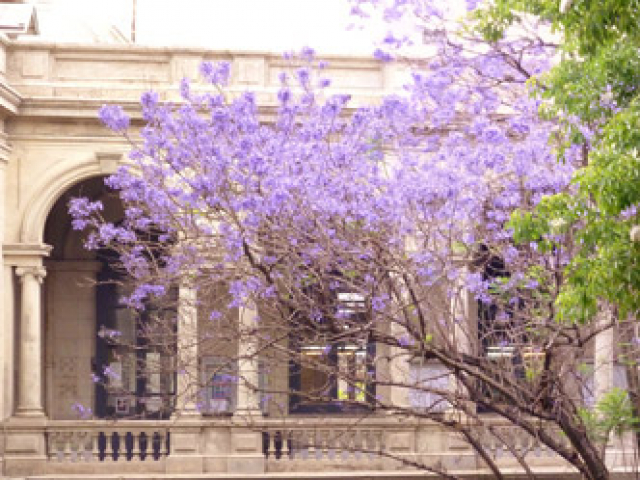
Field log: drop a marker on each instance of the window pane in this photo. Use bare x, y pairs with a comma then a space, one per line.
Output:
314, 379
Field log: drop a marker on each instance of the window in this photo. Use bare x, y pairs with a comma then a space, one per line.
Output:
501, 333
133, 368
332, 372
219, 385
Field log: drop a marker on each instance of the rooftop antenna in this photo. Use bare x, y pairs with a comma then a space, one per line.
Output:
133, 22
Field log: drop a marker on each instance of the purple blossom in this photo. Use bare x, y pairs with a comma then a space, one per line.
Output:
113, 116
216, 73
381, 55
307, 54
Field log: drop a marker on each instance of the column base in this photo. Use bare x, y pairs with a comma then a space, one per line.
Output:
29, 413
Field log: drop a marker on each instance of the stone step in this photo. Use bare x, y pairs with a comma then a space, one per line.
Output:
514, 474
362, 475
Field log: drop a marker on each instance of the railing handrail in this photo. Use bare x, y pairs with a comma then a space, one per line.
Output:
291, 421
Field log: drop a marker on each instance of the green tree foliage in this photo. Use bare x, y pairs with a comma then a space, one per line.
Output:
593, 92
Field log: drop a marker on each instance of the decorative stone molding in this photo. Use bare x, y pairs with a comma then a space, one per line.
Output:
108, 161
5, 149
251, 71
49, 189
25, 255
10, 100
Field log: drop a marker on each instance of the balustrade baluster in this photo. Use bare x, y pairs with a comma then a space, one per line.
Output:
55, 449
368, 442
326, 443
66, 439
319, 436
84, 446
95, 446
311, 435
135, 445
78, 446
146, 445
162, 437
120, 448
380, 441
271, 448
331, 445
108, 448
355, 443
287, 444
343, 445
300, 445
293, 444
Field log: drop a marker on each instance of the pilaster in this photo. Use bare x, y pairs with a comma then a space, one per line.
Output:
246, 445
248, 367
399, 372
603, 357
187, 358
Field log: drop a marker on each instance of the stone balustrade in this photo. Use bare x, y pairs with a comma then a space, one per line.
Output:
107, 443
258, 445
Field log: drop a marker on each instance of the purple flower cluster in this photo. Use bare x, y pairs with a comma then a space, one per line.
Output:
214, 192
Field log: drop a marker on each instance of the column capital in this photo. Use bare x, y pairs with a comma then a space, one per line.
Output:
37, 272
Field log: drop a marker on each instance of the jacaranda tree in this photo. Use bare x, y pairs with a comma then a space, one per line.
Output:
378, 230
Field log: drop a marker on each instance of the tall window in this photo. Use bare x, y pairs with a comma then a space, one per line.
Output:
501, 332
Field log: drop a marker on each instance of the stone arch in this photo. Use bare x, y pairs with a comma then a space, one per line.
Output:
51, 187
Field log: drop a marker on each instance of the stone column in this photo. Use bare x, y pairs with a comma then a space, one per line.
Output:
187, 344
246, 443
463, 329
30, 393
186, 432
6, 321
399, 371
603, 358
248, 401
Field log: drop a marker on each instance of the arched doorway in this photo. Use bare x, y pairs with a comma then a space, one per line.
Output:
70, 305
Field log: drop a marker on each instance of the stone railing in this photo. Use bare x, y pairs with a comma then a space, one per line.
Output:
258, 445
311, 443
107, 442
336, 444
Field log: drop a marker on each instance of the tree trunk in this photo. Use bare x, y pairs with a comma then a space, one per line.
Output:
593, 461
631, 374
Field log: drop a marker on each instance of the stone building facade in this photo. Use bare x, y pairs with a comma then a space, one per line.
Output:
53, 146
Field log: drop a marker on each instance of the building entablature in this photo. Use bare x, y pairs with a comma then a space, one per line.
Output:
73, 80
